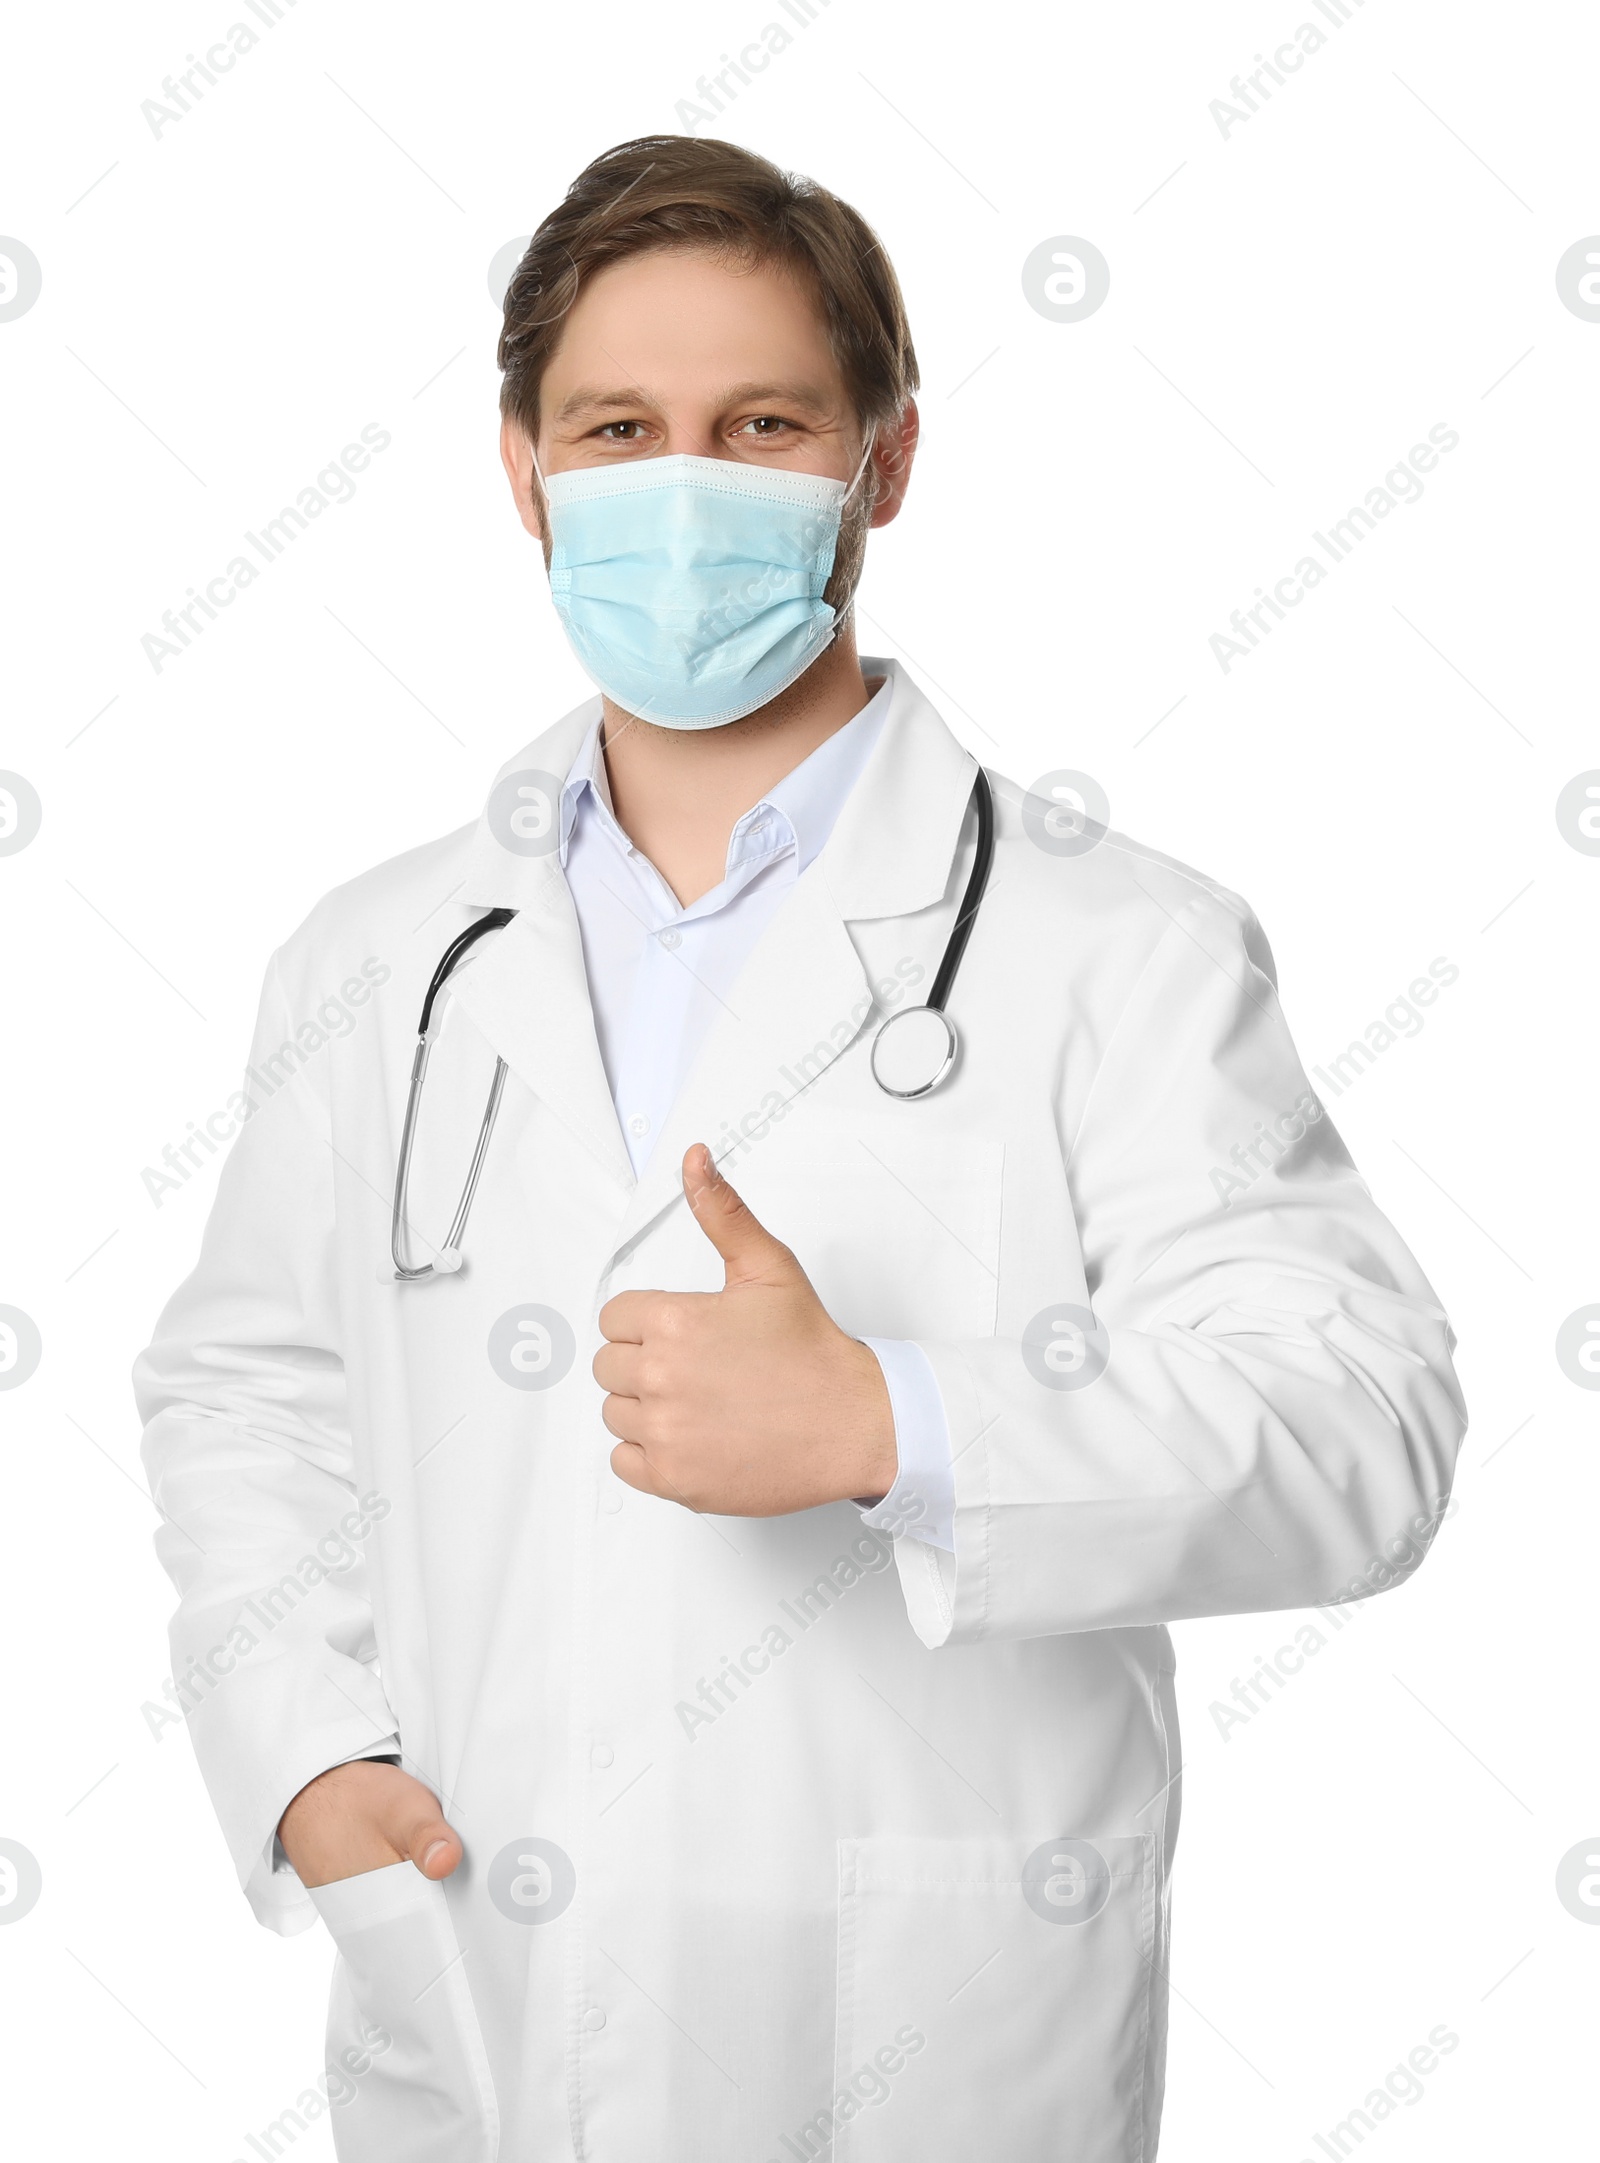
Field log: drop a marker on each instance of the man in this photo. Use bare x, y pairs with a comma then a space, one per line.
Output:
695, 1629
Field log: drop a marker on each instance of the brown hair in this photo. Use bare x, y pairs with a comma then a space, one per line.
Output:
686, 191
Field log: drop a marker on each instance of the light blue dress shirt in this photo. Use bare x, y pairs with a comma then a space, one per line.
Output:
658, 973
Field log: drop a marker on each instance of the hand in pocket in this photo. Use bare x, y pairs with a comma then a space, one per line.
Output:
366, 1816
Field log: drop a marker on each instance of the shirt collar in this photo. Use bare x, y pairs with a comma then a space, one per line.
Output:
798, 812
805, 803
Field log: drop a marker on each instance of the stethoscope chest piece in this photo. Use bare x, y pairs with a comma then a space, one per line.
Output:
915, 1049
913, 1052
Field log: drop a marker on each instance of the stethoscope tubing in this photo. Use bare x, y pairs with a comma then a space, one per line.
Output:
407, 1272
449, 1256
972, 899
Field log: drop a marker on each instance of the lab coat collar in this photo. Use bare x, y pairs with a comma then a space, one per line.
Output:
893, 843
891, 853
793, 819
525, 987
498, 877
891, 846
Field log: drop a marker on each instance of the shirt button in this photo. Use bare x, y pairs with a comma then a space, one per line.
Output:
611, 1499
603, 1755
672, 940
594, 2018
639, 1124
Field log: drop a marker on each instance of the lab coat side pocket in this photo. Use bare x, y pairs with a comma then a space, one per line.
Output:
995, 1998
408, 2074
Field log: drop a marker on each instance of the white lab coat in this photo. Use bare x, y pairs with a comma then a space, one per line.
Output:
778, 1834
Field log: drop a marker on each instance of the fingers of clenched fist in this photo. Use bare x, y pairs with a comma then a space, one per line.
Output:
749, 1401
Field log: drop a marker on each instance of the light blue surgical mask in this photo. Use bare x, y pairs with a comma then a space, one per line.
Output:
691, 588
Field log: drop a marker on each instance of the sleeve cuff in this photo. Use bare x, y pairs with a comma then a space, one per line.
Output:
922, 1500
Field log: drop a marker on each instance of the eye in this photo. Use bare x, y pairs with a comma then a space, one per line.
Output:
765, 425
605, 430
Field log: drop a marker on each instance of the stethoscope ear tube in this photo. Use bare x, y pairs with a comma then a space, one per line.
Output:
972, 899
449, 1257
495, 920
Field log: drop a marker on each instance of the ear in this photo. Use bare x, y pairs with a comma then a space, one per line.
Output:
516, 455
892, 455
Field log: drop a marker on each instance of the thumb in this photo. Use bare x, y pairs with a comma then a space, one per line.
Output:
415, 1828
748, 1249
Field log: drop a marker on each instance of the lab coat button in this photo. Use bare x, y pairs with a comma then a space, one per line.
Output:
603, 1755
594, 2018
672, 940
611, 1499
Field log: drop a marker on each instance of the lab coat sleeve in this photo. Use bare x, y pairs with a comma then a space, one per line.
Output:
1259, 1410
249, 1460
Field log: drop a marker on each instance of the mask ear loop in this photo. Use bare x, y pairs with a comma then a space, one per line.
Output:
544, 492
849, 609
872, 439
544, 495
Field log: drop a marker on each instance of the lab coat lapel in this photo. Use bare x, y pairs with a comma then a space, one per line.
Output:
527, 991
526, 987
803, 996
800, 999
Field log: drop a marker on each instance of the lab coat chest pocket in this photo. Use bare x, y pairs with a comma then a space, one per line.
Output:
900, 1236
407, 2072
994, 1998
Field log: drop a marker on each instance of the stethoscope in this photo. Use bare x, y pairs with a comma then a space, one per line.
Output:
912, 1053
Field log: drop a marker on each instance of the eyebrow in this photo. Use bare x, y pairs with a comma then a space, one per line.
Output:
586, 403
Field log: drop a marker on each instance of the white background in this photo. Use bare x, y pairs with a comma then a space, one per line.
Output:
1291, 308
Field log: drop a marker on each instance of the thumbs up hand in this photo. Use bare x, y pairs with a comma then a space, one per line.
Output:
748, 1402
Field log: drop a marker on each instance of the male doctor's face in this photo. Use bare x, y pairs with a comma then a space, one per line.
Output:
682, 351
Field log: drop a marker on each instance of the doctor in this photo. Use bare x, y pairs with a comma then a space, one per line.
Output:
696, 1631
